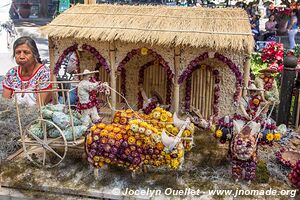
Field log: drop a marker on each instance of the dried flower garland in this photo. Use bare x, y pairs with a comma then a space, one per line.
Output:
187, 74
143, 52
194, 64
85, 47
235, 69
294, 176
97, 55
280, 158
65, 53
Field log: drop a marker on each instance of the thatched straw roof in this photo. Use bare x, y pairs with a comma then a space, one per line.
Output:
217, 29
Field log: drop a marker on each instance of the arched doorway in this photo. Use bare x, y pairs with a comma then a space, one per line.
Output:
145, 68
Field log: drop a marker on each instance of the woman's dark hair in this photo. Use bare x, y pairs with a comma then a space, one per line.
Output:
32, 45
271, 16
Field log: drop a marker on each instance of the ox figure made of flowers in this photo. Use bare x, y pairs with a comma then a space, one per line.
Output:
134, 140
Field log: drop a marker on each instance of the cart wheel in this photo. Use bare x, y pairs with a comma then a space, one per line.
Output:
44, 151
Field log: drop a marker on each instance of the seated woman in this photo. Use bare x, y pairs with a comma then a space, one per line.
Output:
29, 75
270, 29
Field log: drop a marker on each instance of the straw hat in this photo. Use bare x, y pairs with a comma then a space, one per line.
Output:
253, 87
86, 72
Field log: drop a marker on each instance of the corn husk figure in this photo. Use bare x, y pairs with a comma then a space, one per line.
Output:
251, 104
244, 150
87, 97
268, 86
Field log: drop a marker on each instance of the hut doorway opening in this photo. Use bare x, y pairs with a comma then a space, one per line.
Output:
153, 79
199, 91
144, 69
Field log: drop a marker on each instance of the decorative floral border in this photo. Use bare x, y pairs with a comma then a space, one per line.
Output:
188, 88
235, 69
194, 64
61, 58
279, 157
158, 57
85, 47
97, 55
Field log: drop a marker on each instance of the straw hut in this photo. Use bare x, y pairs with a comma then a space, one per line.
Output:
193, 57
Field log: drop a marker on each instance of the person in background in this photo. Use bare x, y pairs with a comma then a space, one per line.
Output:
30, 75
270, 27
292, 28
13, 11
254, 21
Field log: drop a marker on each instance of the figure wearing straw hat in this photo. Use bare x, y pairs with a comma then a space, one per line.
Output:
87, 97
251, 104
267, 83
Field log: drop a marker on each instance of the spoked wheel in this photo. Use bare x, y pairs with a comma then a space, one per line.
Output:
42, 150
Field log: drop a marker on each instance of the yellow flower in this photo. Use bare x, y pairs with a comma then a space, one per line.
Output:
93, 128
157, 163
119, 136
101, 125
89, 139
96, 158
169, 127
168, 157
103, 133
134, 127
139, 143
219, 133
175, 131
100, 164
131, 140
144, 51
255, 101
144, 124
147, 140
186, 133
270, 136
180, 153
156, 115
111, 135
174, 163
277, 136
169, 114
107, 160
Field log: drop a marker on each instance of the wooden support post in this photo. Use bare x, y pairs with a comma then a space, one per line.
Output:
113, 78
52, 64
246, 74
89, 1
176, 85
287, 85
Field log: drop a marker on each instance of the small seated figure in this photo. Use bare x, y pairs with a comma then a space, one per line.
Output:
87, 97
251, 104
150, 103
267, 83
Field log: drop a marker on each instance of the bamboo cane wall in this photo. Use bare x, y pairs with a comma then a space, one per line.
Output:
202, 91
156, 80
